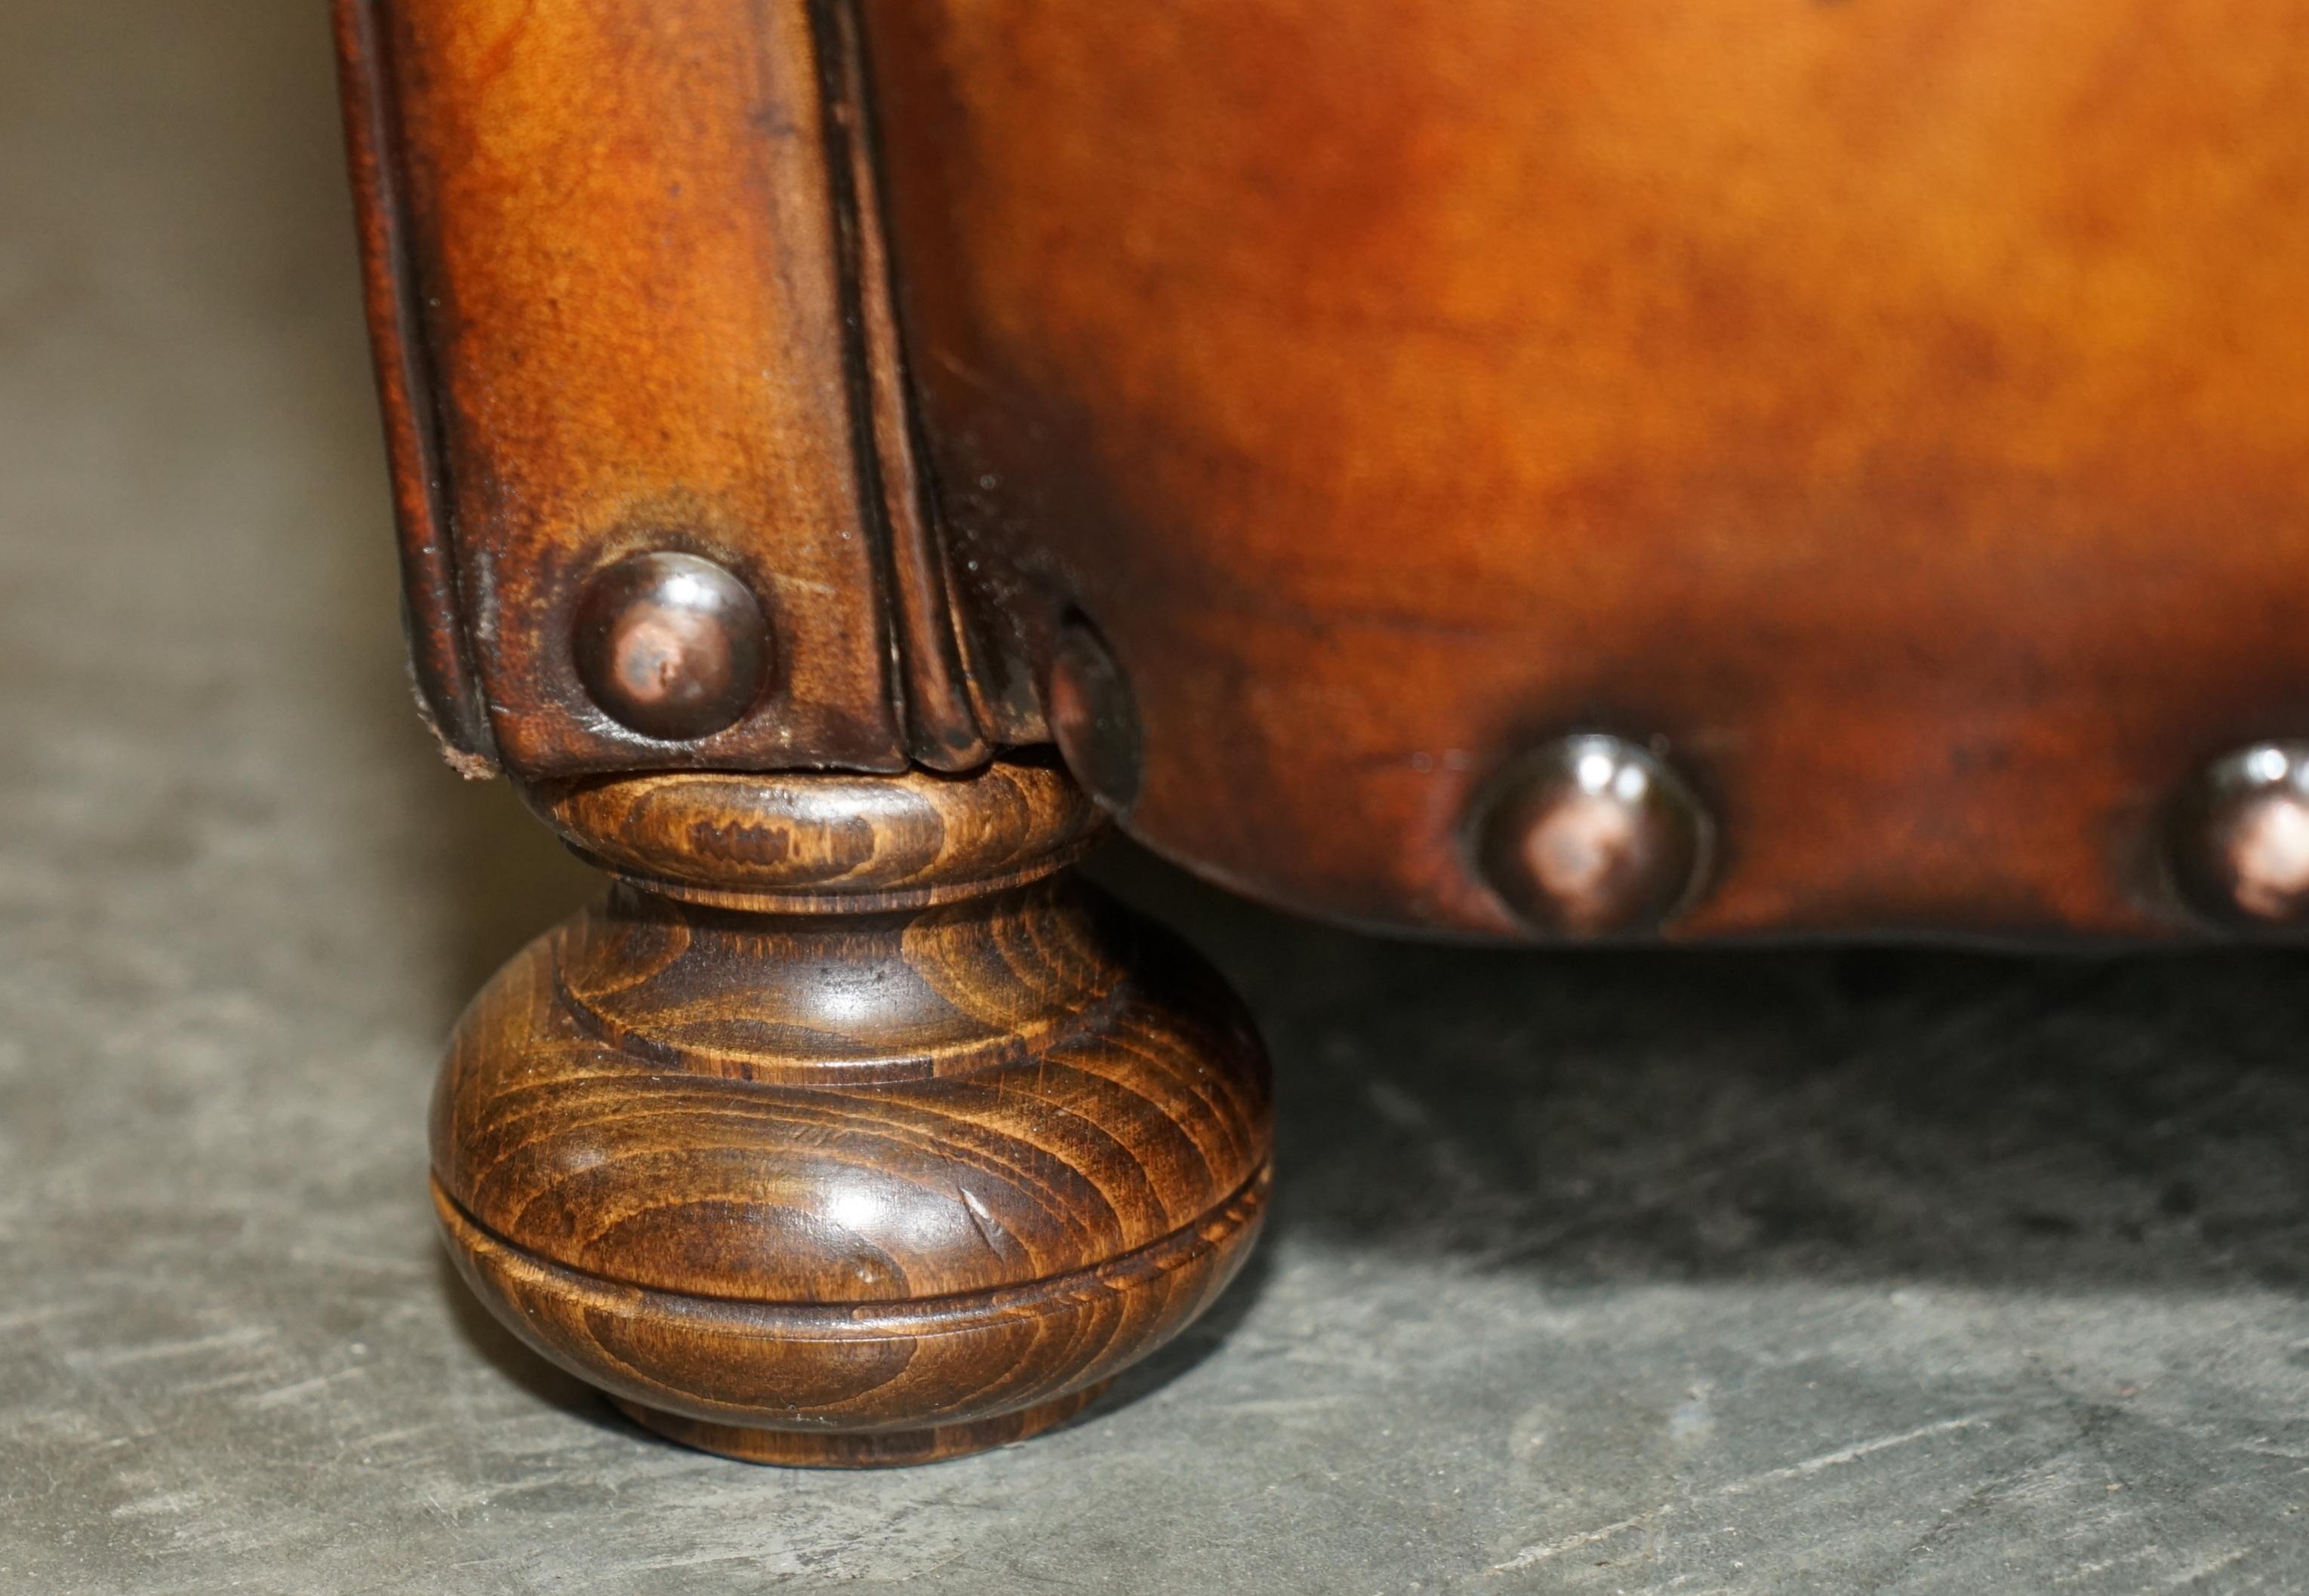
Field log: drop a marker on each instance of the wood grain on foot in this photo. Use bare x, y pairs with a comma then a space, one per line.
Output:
920, 1173
852, 1449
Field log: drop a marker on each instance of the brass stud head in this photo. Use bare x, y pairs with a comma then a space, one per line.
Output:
1593, 836
1094, 716
2238, 837
672, 646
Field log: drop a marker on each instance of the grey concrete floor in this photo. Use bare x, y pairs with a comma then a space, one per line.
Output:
1759, 1272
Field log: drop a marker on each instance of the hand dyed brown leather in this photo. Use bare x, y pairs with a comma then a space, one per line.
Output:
1540, 469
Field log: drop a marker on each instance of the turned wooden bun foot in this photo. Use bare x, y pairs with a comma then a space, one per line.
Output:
852, 1129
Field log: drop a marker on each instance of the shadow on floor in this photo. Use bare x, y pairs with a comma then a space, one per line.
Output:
1871, 1114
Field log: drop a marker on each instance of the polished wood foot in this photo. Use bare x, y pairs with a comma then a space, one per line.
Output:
851, 1449
852, 1128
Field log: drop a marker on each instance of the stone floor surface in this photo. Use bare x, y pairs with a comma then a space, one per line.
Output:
1764, 1272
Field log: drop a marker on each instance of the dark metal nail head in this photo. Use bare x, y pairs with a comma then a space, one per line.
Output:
1093, 717
2239, 837
672, 646
1593, 836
